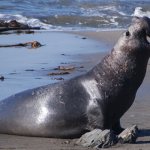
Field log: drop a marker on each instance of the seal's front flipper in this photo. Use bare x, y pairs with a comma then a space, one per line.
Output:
117, 127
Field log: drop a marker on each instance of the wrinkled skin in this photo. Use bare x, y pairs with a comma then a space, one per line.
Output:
97, 99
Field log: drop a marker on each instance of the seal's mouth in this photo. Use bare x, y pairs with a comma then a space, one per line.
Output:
148, 35
147, 39
146, 25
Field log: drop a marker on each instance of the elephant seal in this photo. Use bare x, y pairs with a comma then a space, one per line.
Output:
97, 99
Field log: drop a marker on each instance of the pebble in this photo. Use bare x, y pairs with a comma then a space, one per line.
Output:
58, 73
2, 78
29, 70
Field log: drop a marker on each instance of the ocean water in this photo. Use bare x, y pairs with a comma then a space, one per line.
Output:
74, 14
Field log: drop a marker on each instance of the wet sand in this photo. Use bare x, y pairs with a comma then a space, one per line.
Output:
22, 66
95, 45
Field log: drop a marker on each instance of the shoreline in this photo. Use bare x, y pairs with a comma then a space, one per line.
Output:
138, 114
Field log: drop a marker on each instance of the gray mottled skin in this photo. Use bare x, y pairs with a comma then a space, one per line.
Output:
96, 99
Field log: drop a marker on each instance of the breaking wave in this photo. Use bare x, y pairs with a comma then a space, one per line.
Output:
74, 14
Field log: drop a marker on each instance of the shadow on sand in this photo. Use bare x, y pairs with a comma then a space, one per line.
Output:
144, 133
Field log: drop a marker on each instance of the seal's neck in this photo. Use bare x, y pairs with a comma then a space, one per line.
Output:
121, 67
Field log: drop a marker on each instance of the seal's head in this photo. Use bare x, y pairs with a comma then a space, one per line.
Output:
140, 25
134, 40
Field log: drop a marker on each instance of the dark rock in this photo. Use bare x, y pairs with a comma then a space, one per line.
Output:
38, 78
14, 25
12, 73
58, 73
84, 38
129, 135
98, 139
3, 23
58, 78
64, 63
81, 67
25, 32
2, 78
29, 70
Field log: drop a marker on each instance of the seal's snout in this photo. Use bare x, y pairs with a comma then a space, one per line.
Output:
143, 24
147, 25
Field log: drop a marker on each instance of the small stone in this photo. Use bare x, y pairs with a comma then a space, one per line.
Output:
29, 32
2, 78
12, 73
129, 135
84, 38
38, 78
29, 70
81, 67
58, 78
98, 139
67, 142
63, 63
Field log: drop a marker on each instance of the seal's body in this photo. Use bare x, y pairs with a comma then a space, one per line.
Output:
96, 99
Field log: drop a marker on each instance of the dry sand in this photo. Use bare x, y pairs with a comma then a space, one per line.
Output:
138, 114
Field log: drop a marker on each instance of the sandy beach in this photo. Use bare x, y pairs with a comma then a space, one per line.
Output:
76, 48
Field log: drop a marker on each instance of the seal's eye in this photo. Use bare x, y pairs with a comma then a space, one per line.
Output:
127, 33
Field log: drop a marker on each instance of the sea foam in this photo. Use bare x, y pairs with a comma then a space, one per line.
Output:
33, 22
139, 12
